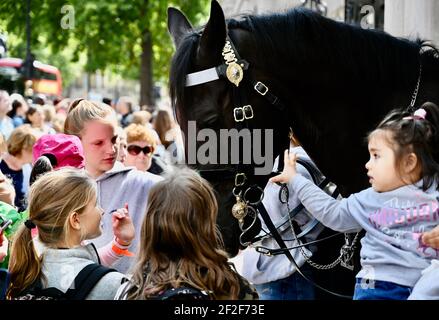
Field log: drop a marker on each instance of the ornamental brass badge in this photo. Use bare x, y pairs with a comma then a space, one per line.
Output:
234, 71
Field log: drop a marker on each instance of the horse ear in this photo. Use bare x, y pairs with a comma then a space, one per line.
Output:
178, 25
214, 34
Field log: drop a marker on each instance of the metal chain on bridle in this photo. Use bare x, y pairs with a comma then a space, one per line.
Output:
422, 49
245, 208
415, 93
346, 252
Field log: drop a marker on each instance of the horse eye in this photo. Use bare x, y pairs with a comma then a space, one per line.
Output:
209, 121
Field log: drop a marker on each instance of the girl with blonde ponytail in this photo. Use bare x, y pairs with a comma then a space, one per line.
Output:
63, 208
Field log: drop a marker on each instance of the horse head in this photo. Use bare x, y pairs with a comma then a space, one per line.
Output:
212, 104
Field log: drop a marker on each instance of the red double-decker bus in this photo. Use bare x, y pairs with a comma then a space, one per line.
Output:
46, 78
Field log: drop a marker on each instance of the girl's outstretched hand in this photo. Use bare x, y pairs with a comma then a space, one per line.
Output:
123, 227
431, 238
289, 168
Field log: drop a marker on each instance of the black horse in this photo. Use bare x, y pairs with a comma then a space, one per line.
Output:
335, 81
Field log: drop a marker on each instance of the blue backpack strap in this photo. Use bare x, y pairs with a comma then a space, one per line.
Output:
86, 279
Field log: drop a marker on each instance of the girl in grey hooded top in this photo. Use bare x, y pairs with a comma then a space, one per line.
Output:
401, 204
118, 186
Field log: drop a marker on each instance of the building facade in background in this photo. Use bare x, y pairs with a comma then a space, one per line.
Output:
401, 18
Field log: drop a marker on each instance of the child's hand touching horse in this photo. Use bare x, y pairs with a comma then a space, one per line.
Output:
289, 171
123, 227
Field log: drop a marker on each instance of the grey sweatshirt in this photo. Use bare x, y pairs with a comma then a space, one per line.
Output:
393, 221
61, 266
116, 187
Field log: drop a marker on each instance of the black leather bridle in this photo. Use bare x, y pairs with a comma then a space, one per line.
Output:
245, 182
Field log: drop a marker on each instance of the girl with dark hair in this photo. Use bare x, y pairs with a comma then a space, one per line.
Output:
401, 205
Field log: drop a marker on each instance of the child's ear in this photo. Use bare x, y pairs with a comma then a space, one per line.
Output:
410, 163
74, 221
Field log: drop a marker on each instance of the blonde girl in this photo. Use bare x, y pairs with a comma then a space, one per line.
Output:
63, 207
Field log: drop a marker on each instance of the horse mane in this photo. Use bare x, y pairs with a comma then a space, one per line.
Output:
181, 65
305, 38
351, 56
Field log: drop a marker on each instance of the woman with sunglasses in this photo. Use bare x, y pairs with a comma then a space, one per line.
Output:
140, 147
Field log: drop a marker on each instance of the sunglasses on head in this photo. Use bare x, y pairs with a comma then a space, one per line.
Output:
135, 150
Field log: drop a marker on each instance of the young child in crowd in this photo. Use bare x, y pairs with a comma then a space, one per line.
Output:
402, 203
180, 245
8, 212
63, 220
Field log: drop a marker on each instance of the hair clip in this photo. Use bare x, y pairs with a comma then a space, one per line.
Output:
417, 115
29, 224
420, 113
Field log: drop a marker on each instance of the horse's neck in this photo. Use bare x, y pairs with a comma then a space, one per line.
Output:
331, 110
321, 127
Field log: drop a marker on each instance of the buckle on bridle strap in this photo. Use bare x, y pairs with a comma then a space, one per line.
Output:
261, 88
243, 113
238, 114
263, 250
248, 112
240, 179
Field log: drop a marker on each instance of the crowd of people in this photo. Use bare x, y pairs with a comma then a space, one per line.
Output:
88, 190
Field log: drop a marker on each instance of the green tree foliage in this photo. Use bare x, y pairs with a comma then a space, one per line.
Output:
110, 34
